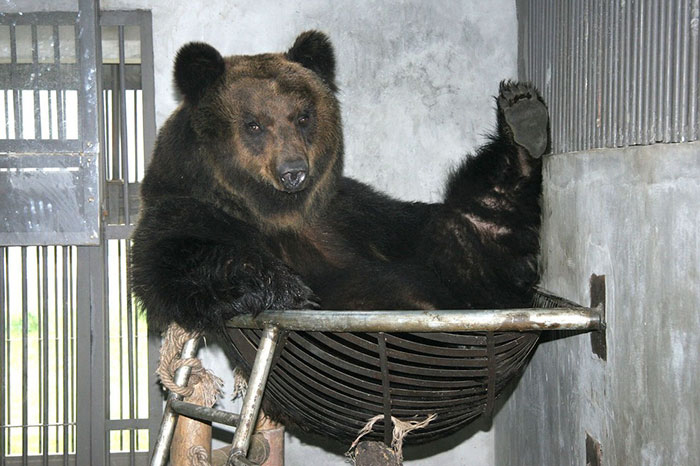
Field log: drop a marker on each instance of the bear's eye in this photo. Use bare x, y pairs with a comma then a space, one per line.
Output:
303, 120
253, 127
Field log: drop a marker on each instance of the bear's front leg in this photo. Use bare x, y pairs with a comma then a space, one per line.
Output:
200, 284
487, 231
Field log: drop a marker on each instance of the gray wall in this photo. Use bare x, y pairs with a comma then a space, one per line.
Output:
416, 83
634, 215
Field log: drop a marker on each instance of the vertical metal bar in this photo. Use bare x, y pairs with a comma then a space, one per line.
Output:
75, 314
124, 154
161, 449
491, 376
583, 123
254, 393
694, 72
7, 114
67, 359
59, 85
598, 32
132, 387
114, 129
57, 337
25, 324
35, 64
626, 78
45, 352
654, 75
386, 388
674, 95
90, 108
612, 77
19, 132
683, 91
557, 82
647, 72
104, 392
119, 383
632, 58
39, 348
3, 343
155, 403
668, 74
136, 135
8, 356
147, 86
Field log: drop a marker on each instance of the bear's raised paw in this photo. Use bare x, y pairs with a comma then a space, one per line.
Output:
525, 114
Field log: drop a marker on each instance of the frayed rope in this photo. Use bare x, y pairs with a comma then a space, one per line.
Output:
401, 429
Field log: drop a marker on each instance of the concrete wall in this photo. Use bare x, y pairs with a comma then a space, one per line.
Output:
416, 82
634, 215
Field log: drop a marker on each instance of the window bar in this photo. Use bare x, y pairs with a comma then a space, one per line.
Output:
7, 114
114, 127
57, 335
122, 126
66, 314
106, 408
59, 84
107, 132
120, 340
37, 101
4, 327
45, 352
136, 135
25, 351
132, 387
39, 331
18, 133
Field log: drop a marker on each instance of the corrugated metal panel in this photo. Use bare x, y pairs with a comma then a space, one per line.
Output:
615, 73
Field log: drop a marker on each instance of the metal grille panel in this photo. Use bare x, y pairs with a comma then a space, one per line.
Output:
614, 73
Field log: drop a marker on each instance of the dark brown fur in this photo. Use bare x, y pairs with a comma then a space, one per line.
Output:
231, 226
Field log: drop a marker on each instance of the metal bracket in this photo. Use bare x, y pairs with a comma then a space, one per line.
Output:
599, 343
594, 452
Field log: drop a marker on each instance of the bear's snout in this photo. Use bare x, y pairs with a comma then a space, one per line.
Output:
292, 175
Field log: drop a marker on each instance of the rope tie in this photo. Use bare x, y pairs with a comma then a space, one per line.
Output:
207, 385
197, 456
401, 429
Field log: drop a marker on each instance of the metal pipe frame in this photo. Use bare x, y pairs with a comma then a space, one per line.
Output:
204, 413
253, 396
167, 425
526, 319
498, 320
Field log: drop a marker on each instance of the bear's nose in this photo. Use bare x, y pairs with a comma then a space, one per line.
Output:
292, 174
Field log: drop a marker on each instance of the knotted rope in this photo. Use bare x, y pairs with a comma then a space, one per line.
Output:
401, 429
203, 387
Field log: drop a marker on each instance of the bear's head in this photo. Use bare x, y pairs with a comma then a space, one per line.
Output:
267, 126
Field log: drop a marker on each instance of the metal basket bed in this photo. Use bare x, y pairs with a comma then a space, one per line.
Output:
331, 371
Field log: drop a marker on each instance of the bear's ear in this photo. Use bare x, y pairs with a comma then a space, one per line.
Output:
313, 50
197, 66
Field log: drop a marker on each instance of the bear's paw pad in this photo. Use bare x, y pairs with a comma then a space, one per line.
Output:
526, 116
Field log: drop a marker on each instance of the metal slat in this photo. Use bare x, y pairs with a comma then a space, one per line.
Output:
44, 350
4, 334
65, 321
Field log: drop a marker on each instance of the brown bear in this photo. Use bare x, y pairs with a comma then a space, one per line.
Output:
245, 206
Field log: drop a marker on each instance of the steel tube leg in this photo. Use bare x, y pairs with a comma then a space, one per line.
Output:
167, 426
254, 394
